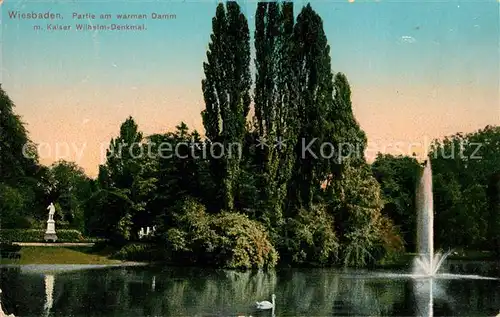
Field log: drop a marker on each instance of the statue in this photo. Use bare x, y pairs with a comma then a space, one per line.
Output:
52, 211
50, 234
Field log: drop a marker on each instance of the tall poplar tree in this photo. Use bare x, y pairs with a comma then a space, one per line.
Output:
343, 131
312, 67
275, 112
226, 90
364, 232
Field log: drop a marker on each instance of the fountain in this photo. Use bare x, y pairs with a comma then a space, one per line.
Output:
427, 263
423, 291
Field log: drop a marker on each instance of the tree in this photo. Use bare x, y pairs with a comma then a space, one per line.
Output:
462, 166
181, 170
494, 208
310, 238
312, 71
70, 188
366, 235
18, 153
13, 206
21, 189
275, 112
226, 90
127, 181
345, 130
398, 178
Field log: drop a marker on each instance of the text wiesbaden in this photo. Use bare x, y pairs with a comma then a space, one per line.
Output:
88, 16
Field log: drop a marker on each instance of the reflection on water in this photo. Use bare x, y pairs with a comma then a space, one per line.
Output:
424, 296
153, 291
49, 291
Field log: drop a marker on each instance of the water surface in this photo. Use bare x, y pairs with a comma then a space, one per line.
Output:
156, 291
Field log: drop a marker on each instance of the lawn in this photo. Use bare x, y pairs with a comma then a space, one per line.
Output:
60, 255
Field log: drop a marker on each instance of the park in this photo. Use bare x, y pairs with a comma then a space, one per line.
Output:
267, 203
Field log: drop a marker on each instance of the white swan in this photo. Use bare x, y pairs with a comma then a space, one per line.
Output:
266, 304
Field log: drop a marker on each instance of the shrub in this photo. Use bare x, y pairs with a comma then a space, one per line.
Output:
8, 247
226, 240
241, 242
356, 203
390, 245
139, 252
310, 238
37, 235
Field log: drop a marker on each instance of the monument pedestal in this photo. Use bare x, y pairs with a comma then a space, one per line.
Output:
50, 234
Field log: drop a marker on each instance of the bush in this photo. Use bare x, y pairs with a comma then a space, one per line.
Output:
310, 238
37, 235
241, 242
139, 252
14, 203
8, 247
226, 240
366, 235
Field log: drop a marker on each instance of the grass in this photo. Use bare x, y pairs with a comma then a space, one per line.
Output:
88, 255
61, 255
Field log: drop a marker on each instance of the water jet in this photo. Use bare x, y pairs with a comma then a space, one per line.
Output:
427, 264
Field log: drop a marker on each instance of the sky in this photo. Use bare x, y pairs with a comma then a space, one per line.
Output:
418, 70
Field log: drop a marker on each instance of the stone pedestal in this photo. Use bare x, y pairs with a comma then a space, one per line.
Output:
50, 234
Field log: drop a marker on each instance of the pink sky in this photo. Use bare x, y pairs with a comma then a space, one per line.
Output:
418, 71
78, 121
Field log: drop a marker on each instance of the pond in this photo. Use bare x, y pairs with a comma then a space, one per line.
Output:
166, 291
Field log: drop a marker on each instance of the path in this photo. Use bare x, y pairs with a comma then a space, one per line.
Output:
53, 244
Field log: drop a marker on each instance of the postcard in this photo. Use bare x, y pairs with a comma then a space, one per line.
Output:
249, 158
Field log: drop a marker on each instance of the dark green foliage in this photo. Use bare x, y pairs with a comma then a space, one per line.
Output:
493, 195
22, 189
6, 248
398, 178
70, 189
312, 71
126, 184
310, 238
26, 188
107, 217
19, 158
462, 167
237, 208
465, 204
229, 240
15, 205
37, 235
182, 168
344, 129
366, 235
139, 252
226, 90
275, 109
